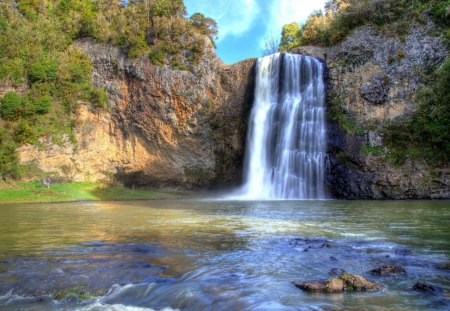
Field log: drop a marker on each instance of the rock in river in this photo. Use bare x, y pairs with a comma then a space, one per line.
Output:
386, 270
342, 283
427, 288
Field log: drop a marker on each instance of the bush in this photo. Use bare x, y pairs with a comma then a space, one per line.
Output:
42, 105
24, 133
11, 105
99, 98
9, 167
43, 70
157, 57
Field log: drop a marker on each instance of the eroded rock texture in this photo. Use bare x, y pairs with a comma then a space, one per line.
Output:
373, 78
164, 128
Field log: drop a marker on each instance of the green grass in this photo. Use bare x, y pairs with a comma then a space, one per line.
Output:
34, 192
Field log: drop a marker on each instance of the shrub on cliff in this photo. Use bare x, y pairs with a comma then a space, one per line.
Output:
426, 135
11, 105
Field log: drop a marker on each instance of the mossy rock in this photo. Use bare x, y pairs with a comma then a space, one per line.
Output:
73, 293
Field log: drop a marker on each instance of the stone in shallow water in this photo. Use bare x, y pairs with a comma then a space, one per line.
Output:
385, 270
403, 252
427, 288
343, 283
337, 271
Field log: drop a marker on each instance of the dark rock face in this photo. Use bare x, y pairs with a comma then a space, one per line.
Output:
388, 270
373, 78
427, 288
343, 283
376, 90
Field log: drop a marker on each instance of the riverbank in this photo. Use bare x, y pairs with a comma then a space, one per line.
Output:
34, 192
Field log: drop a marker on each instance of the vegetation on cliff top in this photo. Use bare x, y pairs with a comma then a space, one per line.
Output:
44, 77
340, 17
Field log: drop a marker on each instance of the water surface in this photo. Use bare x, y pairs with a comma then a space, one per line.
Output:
219, 255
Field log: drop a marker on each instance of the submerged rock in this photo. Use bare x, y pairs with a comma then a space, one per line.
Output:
427, 288
310, 243
337, 271
342, 283
443, 265
403, 252
385, 270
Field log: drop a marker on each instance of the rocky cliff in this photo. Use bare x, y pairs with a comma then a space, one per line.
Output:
163, 128
373, 78
186, 129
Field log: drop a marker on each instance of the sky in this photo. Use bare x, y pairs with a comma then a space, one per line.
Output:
244, 25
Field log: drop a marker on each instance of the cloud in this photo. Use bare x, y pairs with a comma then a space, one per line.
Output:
283, 12
234, 17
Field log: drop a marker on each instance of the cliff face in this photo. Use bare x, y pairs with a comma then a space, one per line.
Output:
179, 129
373, 78
163, 128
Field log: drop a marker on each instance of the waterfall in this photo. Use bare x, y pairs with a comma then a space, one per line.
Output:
286, 142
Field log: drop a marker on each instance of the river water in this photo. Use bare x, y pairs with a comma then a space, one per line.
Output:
219, 255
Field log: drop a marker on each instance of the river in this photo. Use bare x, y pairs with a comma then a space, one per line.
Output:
219, 255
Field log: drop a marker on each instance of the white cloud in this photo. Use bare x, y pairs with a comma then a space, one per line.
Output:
287, 11
234, 17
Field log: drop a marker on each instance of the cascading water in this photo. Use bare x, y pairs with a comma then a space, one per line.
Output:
286, 142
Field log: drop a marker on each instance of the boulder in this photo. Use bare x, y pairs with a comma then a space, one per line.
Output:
342, 283
386, 270
427, 288
376, 90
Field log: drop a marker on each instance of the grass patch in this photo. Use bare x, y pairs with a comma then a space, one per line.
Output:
34, 192
376, 151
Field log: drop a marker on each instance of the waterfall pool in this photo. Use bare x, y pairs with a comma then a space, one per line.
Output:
219, 255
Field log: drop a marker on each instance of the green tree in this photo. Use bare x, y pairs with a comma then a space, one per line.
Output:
290, 37
205, 25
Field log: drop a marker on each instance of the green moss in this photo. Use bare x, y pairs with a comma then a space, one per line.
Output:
400, 54
78, 293
157, 57
376, 151
99, 98
337, 114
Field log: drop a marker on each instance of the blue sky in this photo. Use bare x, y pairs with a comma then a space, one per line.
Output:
245, 24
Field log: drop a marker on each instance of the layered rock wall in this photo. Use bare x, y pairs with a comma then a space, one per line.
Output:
163, 127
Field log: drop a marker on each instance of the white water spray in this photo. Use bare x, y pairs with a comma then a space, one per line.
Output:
286, 142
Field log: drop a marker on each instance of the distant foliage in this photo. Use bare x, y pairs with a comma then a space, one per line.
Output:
290, 37
11, 106
342, 16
